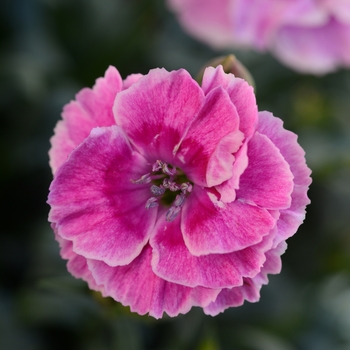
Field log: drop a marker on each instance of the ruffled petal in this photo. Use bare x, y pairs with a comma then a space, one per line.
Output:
250, 290
211, 226
173, 262
136, 285
131, 79
268, 180
286, 141
77, 264
206, 152
96, 206
241, 94
157, 111
92, 108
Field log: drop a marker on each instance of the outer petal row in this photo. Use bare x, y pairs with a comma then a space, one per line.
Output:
92, 108
250, 290
136, 285
286, 141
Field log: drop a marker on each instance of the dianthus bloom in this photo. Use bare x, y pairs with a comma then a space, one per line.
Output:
307, 35
168, 195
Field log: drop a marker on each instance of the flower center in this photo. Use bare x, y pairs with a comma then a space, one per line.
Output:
170, 187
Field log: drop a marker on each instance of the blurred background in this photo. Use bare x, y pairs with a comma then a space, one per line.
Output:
49, 50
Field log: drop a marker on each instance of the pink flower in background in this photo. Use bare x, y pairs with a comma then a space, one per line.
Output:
307, 35
168, 195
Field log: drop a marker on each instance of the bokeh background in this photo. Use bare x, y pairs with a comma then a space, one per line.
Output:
49, 49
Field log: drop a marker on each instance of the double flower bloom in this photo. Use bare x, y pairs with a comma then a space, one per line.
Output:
168, 195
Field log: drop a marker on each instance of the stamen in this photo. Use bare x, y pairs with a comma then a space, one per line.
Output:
165, 177
157, 191
186, 187
167, 170
157, 165
144, 179
173, 186
179, 200
151, 203
172, 213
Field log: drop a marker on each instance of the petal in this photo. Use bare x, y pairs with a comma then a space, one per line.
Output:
96, 206
207, 20
286, 141
241, 94
77, 264
136, 285
211, 226
173, 262
92, 108
314, 49
267, 181
156, 112
205, 153
131, 79
250, 290
228, 188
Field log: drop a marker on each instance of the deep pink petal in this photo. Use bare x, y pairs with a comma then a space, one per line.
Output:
174, 262
241, 94
267, 181
206, 153
211, 226
92, 108
157, 111
136, 285
94, 203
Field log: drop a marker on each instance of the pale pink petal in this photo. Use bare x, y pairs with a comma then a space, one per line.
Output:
318, 49
340, 9
267, 181
173, 261
228, 188
94, 203
255, 22
211, 226
157, 111
92, 108
206, 153
241, 94
136, 285
207, 20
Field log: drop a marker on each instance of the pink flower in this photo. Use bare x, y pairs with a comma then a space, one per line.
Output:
307, 35
168, 195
